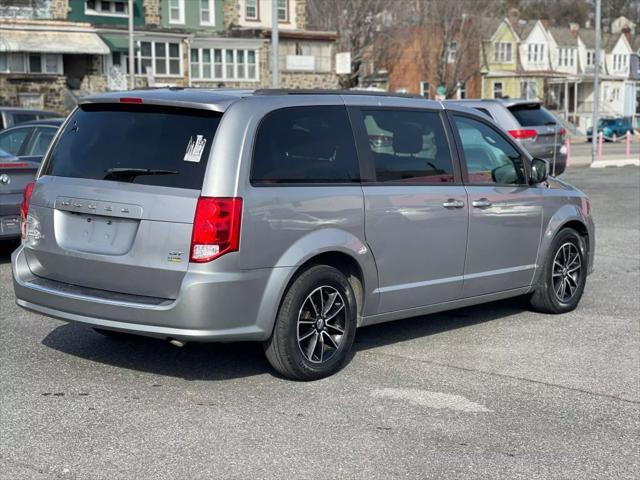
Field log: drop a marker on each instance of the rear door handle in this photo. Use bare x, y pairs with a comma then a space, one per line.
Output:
482, 203
453, 203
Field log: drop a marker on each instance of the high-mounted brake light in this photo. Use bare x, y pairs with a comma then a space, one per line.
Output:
216, 228
523, 134
130, 100
24, 207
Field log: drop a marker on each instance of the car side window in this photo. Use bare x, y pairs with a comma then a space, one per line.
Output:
312, 144
489, 157
40, 141
11, 141
408, 146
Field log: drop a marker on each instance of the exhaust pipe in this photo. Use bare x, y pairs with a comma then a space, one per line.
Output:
177, 343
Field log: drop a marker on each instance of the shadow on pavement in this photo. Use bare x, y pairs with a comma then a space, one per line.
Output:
217, 361
6, 249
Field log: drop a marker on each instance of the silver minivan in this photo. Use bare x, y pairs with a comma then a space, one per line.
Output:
290, 218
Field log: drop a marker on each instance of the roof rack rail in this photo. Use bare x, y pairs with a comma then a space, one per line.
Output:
286, 91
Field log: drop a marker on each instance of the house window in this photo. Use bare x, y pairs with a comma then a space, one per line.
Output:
162, 59
321, 52
207, 16
452, 50
591, 58
425, 89
283, 10
529, 89
502, 52
224, 64
620, 62
176, 11
111, 8
497, 90
462, 90
535, 52
566, 57
37, 63
251, 9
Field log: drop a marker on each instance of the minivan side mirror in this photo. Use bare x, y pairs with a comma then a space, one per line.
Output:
539, 171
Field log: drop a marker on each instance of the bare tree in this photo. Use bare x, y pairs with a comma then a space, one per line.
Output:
359, 23
451, 33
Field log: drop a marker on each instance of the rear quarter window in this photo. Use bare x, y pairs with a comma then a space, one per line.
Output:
532, 115
102, 142
312, 144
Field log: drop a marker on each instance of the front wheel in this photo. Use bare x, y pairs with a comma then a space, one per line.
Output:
315, 327
564, 275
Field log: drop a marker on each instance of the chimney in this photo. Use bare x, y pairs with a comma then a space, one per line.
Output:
513, 17
626, 31
573, 28
545, 22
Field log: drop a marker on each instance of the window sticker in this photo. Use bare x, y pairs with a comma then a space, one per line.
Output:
195, 149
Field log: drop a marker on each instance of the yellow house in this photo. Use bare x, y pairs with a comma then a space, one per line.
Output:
499, 57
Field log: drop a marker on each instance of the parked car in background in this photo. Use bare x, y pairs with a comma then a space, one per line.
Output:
12, 116
15, 175
29, 138
290, 218
612, 128
530, 124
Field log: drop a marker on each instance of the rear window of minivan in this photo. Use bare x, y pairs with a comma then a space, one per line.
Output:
143, 144
532, 115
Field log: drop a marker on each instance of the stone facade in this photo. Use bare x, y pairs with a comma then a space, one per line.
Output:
301, 14
230, 13
52, 89
59, 9
151, 12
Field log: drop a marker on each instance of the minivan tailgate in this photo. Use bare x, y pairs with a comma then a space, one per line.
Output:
123, 238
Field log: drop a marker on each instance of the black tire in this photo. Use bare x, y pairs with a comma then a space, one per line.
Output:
549, 297
283, 349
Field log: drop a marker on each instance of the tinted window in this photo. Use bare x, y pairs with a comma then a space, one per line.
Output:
11, 140
408, 146
484, 110
40, 141
23, 117
532, 115
489, 157
172, 144
305, 144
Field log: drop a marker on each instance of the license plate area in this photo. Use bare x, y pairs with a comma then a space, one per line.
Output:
10, 224
97, 234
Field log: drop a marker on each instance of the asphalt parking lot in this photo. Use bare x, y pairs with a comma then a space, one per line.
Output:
492, 391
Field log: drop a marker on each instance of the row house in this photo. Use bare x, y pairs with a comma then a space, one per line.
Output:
84, 47
534, 61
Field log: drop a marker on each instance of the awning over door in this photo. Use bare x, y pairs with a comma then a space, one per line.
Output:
117, 43
48, 41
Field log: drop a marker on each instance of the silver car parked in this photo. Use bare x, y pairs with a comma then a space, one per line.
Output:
290, 218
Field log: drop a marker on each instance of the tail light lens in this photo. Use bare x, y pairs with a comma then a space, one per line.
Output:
562, 132
523, 134
24, 207
216, 228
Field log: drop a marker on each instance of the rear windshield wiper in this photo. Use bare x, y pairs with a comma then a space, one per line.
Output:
131, 173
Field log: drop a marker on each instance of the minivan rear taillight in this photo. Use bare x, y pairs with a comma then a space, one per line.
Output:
216, 228
24, 207
523, 134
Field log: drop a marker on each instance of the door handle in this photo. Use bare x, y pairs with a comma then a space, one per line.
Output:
453, 203
482, 203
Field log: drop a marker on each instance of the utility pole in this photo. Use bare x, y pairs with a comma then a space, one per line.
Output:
132, 74
275, 65
596, 85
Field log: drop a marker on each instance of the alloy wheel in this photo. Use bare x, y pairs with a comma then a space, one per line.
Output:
321, 324
566, 272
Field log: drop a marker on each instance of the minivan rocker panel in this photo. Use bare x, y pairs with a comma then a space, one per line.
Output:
290, 218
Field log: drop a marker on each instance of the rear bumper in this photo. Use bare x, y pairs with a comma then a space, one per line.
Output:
211, 306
